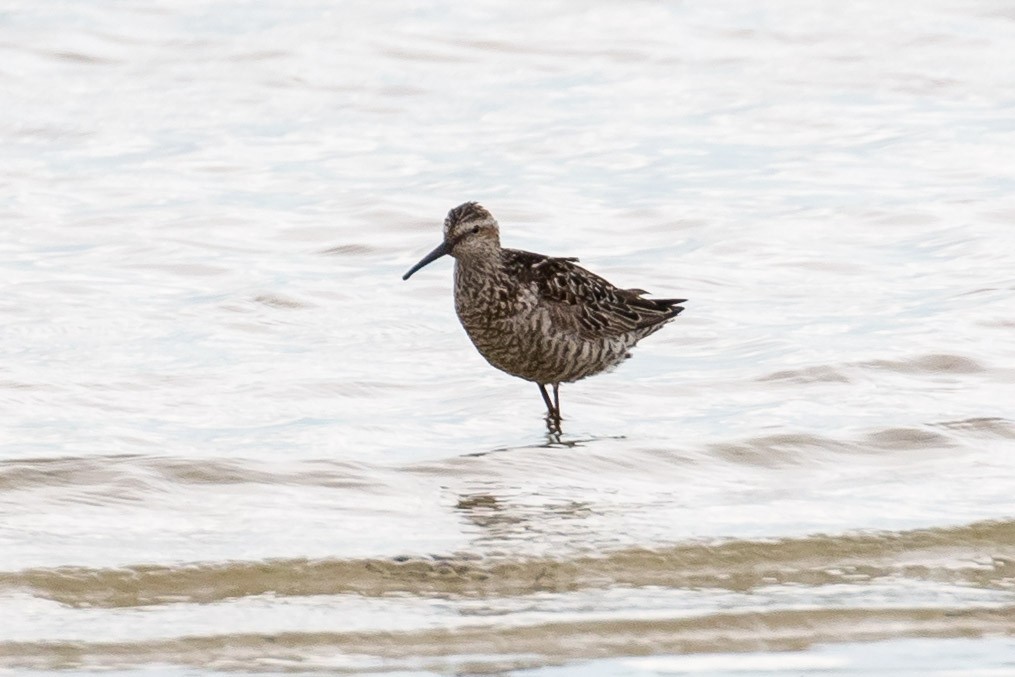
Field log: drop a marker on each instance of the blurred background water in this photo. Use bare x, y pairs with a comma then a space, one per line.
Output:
234, 440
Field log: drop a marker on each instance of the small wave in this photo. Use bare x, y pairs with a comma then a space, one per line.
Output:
908, 438
517, 646
983, 426
928, 364
136, 474
986, 550
280, 302
820, 374
349, 250
938, 363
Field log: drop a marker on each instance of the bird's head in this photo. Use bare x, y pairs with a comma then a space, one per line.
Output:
470, 224
468, 230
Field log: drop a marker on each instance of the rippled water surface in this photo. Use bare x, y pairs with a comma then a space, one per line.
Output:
234, 440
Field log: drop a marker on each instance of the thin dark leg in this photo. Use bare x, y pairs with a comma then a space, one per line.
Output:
546, 398
552, 417
556, 399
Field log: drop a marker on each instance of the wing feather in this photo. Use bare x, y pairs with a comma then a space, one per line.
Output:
582, 301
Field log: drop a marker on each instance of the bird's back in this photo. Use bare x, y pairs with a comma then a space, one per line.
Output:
584, 303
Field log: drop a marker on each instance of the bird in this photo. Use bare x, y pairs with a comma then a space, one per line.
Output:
540, 318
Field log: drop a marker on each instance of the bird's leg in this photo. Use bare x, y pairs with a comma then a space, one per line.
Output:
546, 398
552, 417
556, 400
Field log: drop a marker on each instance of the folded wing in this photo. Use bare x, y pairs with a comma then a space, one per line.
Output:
582, 301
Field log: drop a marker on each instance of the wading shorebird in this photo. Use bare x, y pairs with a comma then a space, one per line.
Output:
540, 318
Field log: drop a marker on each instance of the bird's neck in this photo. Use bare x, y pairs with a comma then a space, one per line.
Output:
480, 261
475, 274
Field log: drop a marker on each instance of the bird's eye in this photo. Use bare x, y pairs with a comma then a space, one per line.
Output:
475, 229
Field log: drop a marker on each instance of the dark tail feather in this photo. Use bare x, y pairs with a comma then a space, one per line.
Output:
658, 310
672, 306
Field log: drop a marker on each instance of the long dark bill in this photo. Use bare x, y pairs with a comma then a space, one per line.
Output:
441, 250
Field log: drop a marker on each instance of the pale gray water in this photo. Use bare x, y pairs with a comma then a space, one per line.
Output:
234, 440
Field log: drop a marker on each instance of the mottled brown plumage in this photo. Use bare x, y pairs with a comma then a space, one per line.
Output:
540, 318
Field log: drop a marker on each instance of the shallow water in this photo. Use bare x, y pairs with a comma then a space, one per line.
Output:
234, 440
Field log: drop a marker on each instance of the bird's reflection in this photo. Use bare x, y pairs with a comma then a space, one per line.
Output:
552, 440
526, 508
502, 519
486, 511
